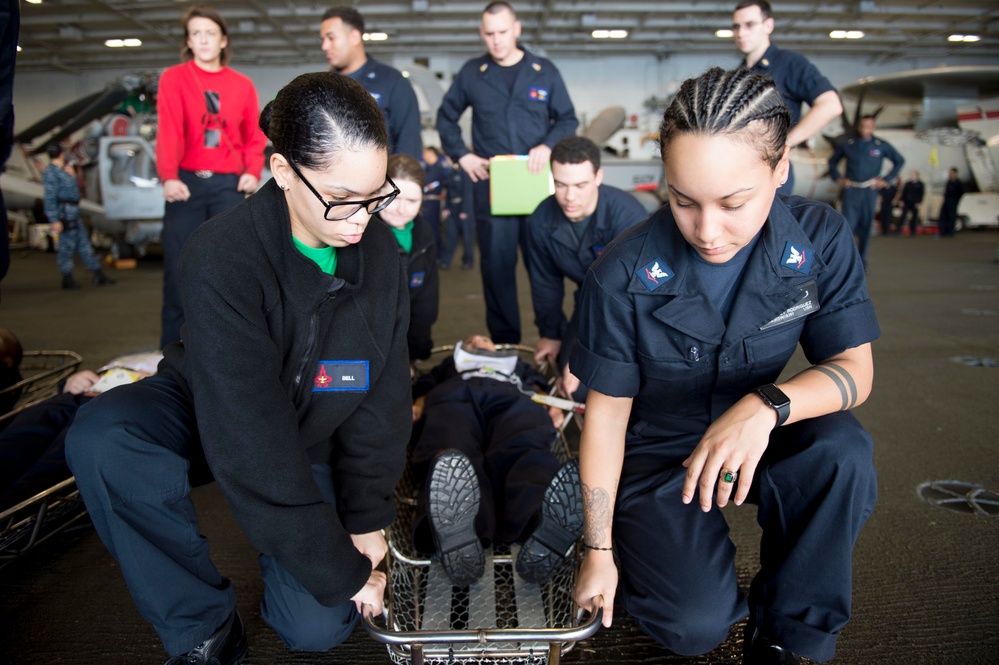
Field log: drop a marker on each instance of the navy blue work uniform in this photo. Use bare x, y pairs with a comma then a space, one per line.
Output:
798, 81
953, 191
460, 219
397, 101
912, 196
507, 437
858, 199
648, 332
554, 252
505, 121
436, 175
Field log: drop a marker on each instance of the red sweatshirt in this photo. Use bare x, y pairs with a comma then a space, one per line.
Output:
184, 119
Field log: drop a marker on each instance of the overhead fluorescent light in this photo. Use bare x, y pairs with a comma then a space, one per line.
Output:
374, 36
120, 43
609, 34
34, 2
964, 38
18, 48
846, 34
724, 33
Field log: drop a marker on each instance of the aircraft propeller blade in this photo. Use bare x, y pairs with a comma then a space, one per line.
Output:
57, 118
100, 105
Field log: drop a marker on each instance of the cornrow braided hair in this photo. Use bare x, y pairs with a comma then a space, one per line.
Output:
726, 102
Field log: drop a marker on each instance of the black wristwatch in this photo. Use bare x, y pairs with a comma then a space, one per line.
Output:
775, 398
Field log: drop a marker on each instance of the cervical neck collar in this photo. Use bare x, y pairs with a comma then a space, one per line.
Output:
504, 362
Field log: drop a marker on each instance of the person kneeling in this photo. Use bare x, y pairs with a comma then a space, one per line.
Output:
491, 476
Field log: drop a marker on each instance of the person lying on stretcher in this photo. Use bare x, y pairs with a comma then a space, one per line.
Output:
32, 447
485, 450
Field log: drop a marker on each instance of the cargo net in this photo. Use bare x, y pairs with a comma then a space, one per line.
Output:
420, 597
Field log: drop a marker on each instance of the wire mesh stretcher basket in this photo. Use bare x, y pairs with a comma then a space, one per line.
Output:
35, 520
500, 618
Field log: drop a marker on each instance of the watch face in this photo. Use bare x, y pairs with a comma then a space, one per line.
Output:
774, 395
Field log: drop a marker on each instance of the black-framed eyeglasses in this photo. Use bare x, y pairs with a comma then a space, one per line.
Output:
350, 207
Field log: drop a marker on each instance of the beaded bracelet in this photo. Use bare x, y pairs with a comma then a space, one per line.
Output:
599, 549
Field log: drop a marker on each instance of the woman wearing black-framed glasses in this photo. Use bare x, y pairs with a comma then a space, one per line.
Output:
290, 389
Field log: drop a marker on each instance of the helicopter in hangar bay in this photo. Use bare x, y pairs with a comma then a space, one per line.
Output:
110, 136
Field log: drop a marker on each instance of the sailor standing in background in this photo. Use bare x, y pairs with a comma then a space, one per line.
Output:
520, 106
864, 157
342, 32
797, 79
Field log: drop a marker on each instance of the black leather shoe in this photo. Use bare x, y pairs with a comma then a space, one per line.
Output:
226, 646
758, 650
69, 283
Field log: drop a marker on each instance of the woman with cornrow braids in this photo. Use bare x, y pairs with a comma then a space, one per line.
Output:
687, 320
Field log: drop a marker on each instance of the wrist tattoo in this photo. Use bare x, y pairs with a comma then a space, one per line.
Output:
843, 381
597, 515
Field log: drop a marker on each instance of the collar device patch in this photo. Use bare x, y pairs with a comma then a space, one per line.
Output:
336, 376
797, 258
654, 273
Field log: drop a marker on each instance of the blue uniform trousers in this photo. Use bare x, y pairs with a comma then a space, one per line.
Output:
815, 488
209, 197
508, 439
460, 201
32, 448
431, 211
858, 206
947, 223
75, 241
136, 453
499, 238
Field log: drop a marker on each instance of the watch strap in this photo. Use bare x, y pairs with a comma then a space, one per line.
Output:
775, 398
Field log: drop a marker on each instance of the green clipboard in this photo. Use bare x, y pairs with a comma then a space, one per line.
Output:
513, 190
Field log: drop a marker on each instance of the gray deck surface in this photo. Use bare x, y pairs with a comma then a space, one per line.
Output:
926, 587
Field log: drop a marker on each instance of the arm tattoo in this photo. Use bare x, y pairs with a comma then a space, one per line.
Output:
843, 381
597, 515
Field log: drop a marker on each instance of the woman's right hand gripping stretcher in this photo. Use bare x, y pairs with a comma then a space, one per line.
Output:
372, 594
596, 584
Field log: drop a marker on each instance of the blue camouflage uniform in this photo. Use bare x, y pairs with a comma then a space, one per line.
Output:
554, 253
798, 80
397, 101
504, 122
62, 204
858, 199
648, 332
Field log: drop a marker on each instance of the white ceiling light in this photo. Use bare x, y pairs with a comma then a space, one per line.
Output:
34, 2
846, 34
724, 33
18, 48
964, 38
609, 34
120, 43
374, 36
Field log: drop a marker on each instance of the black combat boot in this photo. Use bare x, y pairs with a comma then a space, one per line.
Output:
100, 279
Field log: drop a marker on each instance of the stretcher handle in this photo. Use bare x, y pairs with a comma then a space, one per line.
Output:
485, 635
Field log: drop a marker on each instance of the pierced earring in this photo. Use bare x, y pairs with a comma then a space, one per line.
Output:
285, 187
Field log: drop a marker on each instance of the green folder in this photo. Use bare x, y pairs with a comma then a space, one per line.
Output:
513, 190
